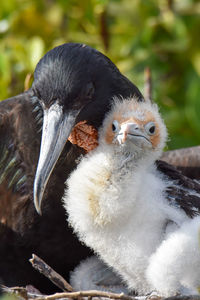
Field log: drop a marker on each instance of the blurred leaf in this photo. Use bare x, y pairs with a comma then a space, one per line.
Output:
36, 50
196, 62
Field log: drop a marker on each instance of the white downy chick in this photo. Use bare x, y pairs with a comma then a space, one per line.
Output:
117, 205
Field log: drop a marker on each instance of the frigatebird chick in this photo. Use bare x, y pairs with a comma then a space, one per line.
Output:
117, 204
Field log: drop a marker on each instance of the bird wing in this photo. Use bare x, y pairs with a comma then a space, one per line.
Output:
187, 160
184, 192
22, 230
20, 125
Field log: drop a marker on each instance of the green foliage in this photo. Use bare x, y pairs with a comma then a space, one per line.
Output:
8, 297
163, 35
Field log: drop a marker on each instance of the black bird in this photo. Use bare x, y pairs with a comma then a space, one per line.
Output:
72, 82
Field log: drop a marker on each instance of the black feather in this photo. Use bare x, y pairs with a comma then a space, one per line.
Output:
184, 192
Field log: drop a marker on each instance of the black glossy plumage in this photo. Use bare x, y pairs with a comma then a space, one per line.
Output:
70, 73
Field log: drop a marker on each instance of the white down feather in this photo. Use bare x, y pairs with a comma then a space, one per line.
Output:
117, 206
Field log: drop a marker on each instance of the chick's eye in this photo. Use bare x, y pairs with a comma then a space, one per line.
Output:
115, 126
150, 128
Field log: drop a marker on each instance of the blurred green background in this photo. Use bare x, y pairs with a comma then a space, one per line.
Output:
164, 35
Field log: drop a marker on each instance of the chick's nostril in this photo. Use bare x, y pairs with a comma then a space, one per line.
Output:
134, 126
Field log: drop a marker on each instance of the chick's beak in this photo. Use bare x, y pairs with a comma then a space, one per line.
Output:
131, 131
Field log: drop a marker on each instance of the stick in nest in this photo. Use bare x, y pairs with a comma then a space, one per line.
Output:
92, 293
147, 84
59, 281
52, 275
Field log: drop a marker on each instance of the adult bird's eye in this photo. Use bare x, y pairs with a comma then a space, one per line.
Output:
90, 90
115, 126
150, 128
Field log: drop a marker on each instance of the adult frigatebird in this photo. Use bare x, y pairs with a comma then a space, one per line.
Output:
72, 82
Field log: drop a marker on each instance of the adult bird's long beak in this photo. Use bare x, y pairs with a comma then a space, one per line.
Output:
57, 127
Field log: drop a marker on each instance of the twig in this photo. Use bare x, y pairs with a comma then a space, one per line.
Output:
170, 4
52, 275
27, 81
18, 291
92, 293
23, 293
104, 29
147, 84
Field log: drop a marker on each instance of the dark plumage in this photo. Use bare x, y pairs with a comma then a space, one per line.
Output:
187, 193
76, 76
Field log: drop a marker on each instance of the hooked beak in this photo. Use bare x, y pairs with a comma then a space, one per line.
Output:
132, 132
57, 127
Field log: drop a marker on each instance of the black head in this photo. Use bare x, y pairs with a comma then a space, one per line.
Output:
76, 74
63, 75
73, 82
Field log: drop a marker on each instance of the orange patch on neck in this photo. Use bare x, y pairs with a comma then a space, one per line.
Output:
84, 136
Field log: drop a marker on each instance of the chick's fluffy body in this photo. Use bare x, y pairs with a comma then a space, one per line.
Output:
117, 205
